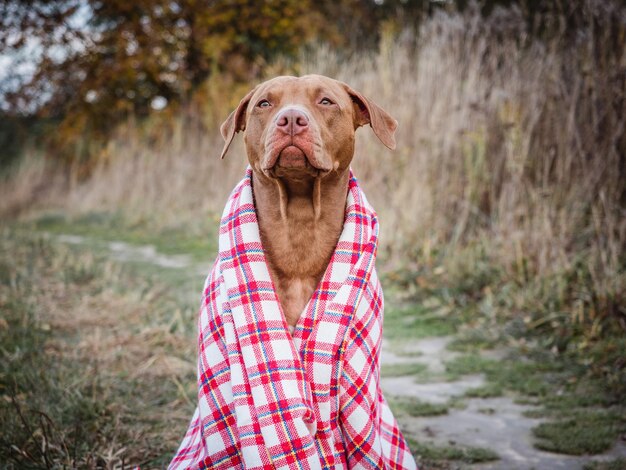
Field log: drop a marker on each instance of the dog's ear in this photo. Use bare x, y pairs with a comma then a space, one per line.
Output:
236, 122
368, 112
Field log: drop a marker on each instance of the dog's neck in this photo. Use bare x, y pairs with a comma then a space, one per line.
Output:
300, 221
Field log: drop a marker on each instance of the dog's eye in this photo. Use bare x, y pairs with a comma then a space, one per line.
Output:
264, 104
326, 101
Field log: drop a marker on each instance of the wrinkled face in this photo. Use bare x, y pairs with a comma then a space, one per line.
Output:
304, 126
300, 126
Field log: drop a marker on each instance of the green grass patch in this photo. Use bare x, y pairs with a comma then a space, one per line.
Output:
403, 369
405, 352
415, 408
616, 464
525, 377
426, 453
99, 232
486, 391
584, 418
588, 432
586, 394
565, 314
415, 321
199, 242
46, 408
474, 339
470, 364
567, 366
535, 413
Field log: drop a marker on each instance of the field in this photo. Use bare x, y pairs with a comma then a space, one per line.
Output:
503, 232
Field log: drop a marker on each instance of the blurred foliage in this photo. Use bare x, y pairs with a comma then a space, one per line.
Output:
89, 65
16, 132
97, 63
101, 62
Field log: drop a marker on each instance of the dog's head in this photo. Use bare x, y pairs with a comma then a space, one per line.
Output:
304, 125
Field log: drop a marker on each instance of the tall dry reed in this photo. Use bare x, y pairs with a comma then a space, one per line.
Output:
506, 141
518, 141
512, 143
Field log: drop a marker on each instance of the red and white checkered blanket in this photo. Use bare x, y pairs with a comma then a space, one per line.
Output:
268, 399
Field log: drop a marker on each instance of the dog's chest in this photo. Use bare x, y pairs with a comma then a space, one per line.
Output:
297, 259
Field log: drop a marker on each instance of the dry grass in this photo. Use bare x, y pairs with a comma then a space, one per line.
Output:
32, 180
516, 142
510, 161
175, 181
92, 361
510, 153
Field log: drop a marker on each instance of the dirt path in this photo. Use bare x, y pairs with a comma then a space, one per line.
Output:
126, 252
497, 424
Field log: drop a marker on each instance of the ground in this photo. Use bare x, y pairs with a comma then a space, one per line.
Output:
97, 328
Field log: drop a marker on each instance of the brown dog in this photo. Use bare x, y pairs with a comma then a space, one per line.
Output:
299, 136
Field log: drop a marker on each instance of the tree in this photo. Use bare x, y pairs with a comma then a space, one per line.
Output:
97, 62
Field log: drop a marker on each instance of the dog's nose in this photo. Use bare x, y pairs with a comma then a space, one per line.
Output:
292, 121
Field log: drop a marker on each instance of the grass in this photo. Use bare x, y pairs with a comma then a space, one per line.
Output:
156, 308
583, 417
587, 432
420, 319
415, 408
486, 391
552, 362
528, 378
470, 364
432, 456
475, 339
92, 360
482, 185
615, 464
402, 369
578, 391
193, 245
196, 240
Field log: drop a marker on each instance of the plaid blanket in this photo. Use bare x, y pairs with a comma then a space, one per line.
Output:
307, 400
